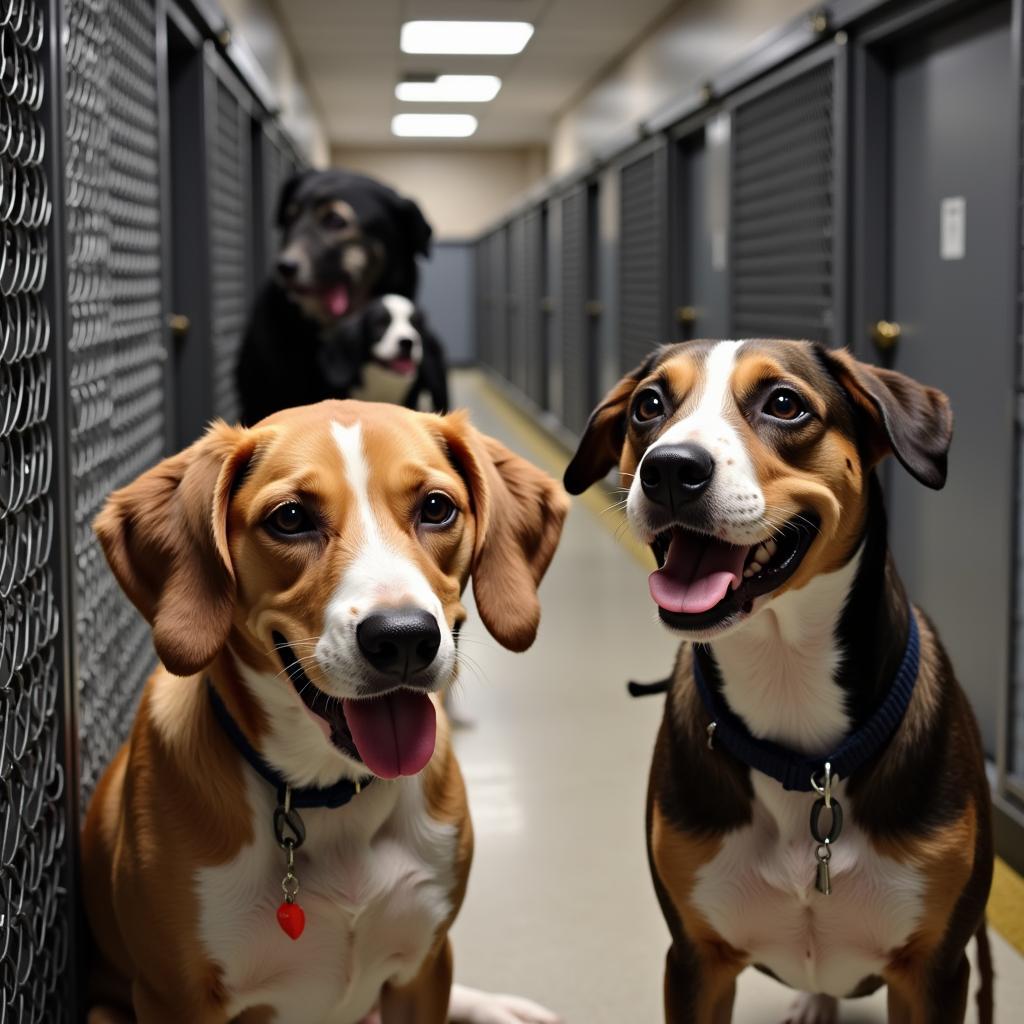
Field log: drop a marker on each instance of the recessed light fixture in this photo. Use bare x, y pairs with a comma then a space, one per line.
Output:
450, 89
489, 37
433, 126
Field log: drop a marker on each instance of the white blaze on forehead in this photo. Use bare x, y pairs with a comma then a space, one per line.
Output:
379, 572
736, 501
379, 575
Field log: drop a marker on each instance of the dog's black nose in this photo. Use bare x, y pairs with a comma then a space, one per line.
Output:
674, 474
287, 267
399, 641
405, 346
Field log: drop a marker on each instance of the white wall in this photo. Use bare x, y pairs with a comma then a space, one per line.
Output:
461, 191
256, 25
696, 40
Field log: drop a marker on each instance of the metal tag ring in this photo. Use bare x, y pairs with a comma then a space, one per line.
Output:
837, 821
292, 821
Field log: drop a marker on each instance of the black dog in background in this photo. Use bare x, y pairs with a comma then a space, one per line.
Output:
346, 239
390, 333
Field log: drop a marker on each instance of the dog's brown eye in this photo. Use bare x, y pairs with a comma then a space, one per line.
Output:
333, 220
289, 520
649, 406
784, 404
437, 510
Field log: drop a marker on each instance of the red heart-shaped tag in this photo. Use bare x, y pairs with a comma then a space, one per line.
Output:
292, 919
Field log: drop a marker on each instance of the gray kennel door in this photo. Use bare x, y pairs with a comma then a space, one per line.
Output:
577, 359
642, 257
116, 345
230, 202
782, 210
534, 320
518, 348
497, 326
35, 916
481, 256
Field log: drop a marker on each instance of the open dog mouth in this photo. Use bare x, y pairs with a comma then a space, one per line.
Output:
335, 298
393, 734
703, 580
405, 366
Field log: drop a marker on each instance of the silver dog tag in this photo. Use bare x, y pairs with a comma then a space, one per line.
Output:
823, 881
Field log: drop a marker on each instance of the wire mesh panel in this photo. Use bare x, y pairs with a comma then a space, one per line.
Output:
782, 210
576, 368
116, 349
642, 226
516, 304
34, 915
228, 147
534, 242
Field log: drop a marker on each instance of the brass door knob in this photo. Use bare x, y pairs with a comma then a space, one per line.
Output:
179, 324
686, 314
885, 334
594, 308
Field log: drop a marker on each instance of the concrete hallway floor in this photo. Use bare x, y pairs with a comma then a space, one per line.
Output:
560, 906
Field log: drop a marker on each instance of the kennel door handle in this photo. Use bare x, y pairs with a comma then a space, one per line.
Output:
885, 334
179, 324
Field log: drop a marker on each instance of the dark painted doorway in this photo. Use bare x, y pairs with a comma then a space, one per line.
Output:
946, 307
699, 289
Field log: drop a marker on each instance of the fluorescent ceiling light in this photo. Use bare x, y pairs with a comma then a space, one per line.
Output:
450, 89
491, 37
433, 126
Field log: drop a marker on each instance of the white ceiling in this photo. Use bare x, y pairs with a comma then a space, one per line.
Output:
349, 55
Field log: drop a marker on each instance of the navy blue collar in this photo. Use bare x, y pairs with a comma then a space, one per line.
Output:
329, 796
792, 769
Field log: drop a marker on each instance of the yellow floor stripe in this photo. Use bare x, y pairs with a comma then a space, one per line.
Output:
1006, 905
1006, 902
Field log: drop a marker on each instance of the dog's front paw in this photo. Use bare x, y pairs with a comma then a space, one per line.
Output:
813, 1009
471, 1006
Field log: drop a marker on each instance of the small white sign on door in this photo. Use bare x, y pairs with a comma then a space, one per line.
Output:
953, 228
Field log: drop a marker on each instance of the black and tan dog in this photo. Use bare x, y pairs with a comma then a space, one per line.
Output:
346, 239
818, 804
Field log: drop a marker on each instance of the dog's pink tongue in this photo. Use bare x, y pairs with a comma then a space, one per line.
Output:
697, 573
336, 300
394, 734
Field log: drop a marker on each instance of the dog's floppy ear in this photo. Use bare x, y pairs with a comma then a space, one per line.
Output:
605, 433
285, 215
165, 537
414, 226
912, 421
519, 515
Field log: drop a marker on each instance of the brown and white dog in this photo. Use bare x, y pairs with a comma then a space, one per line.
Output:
303, 579
750, 468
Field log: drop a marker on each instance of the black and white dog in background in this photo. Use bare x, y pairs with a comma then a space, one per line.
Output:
390, 335
347, 240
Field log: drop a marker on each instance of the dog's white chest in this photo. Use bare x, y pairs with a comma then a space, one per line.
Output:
759, 894
375, 880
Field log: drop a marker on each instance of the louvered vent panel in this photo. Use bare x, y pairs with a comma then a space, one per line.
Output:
516, 304
481, 326
641, 270
575, 355
35, 916
499, 305
782, 211
535, 377
116, 348
230, 206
